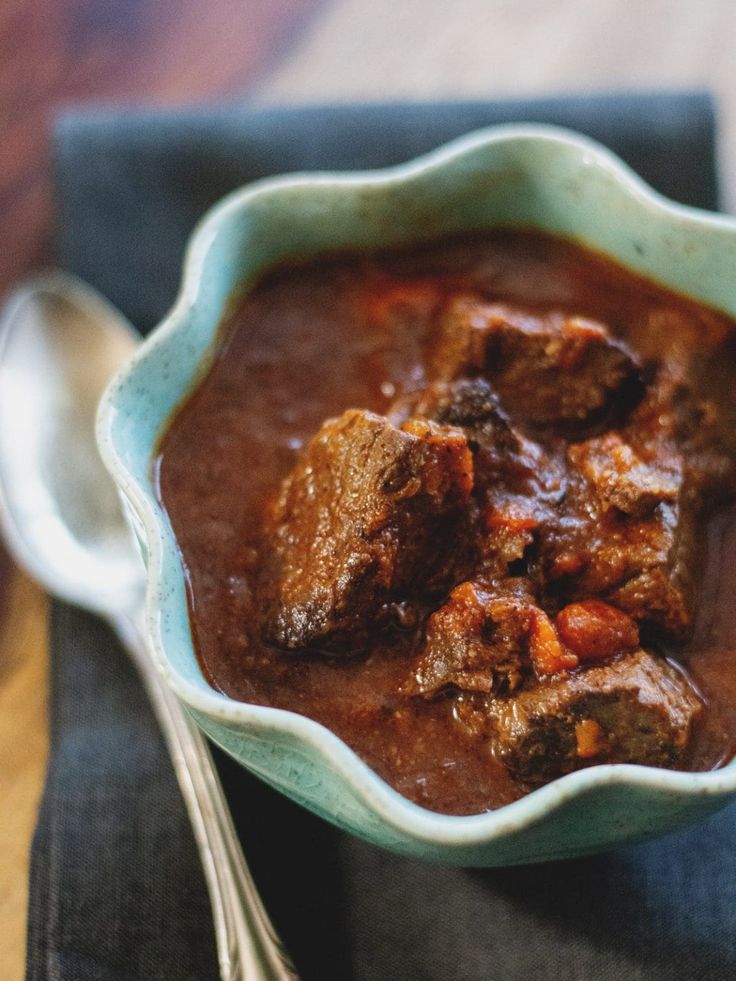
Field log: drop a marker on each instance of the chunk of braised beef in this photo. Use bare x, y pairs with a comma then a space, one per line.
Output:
504, 457
368, 515
671, 414
517, 481
490, 637
507, 532
477, 641
549, 368
625, 532
472, 404
622, 479
634, 709
627, 528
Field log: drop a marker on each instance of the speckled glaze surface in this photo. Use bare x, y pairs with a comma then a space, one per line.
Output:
525, 175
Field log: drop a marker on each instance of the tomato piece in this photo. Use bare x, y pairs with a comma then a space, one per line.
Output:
594, 630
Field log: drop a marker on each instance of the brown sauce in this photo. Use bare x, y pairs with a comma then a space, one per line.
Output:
312, 340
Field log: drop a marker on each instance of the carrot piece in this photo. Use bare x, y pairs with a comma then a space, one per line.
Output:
590, 739
547, 653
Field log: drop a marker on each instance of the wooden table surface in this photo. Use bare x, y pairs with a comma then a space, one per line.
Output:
160, 52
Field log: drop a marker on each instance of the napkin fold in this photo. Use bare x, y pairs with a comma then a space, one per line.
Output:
116, 890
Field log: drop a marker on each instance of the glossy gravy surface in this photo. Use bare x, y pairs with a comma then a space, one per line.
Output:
350, 330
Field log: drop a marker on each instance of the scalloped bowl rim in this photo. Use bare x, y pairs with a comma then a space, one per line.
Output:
399, 812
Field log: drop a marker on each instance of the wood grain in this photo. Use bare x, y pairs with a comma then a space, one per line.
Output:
54, 52
23, 745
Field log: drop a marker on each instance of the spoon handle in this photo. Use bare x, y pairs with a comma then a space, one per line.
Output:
248, 948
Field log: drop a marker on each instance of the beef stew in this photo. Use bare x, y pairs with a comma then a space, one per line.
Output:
469, 505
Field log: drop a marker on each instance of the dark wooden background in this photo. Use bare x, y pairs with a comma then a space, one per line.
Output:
124, 51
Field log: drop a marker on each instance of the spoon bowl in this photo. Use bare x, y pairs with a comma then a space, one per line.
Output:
60, 346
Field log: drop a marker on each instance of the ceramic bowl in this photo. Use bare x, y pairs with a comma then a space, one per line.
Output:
508, 175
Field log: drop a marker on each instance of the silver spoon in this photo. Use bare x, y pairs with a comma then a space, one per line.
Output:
60, 343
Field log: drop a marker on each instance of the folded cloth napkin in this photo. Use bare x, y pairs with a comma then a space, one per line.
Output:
116, 890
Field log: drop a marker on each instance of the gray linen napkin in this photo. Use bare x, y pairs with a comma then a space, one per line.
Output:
116, 889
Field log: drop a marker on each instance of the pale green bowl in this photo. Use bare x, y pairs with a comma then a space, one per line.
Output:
528, 175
